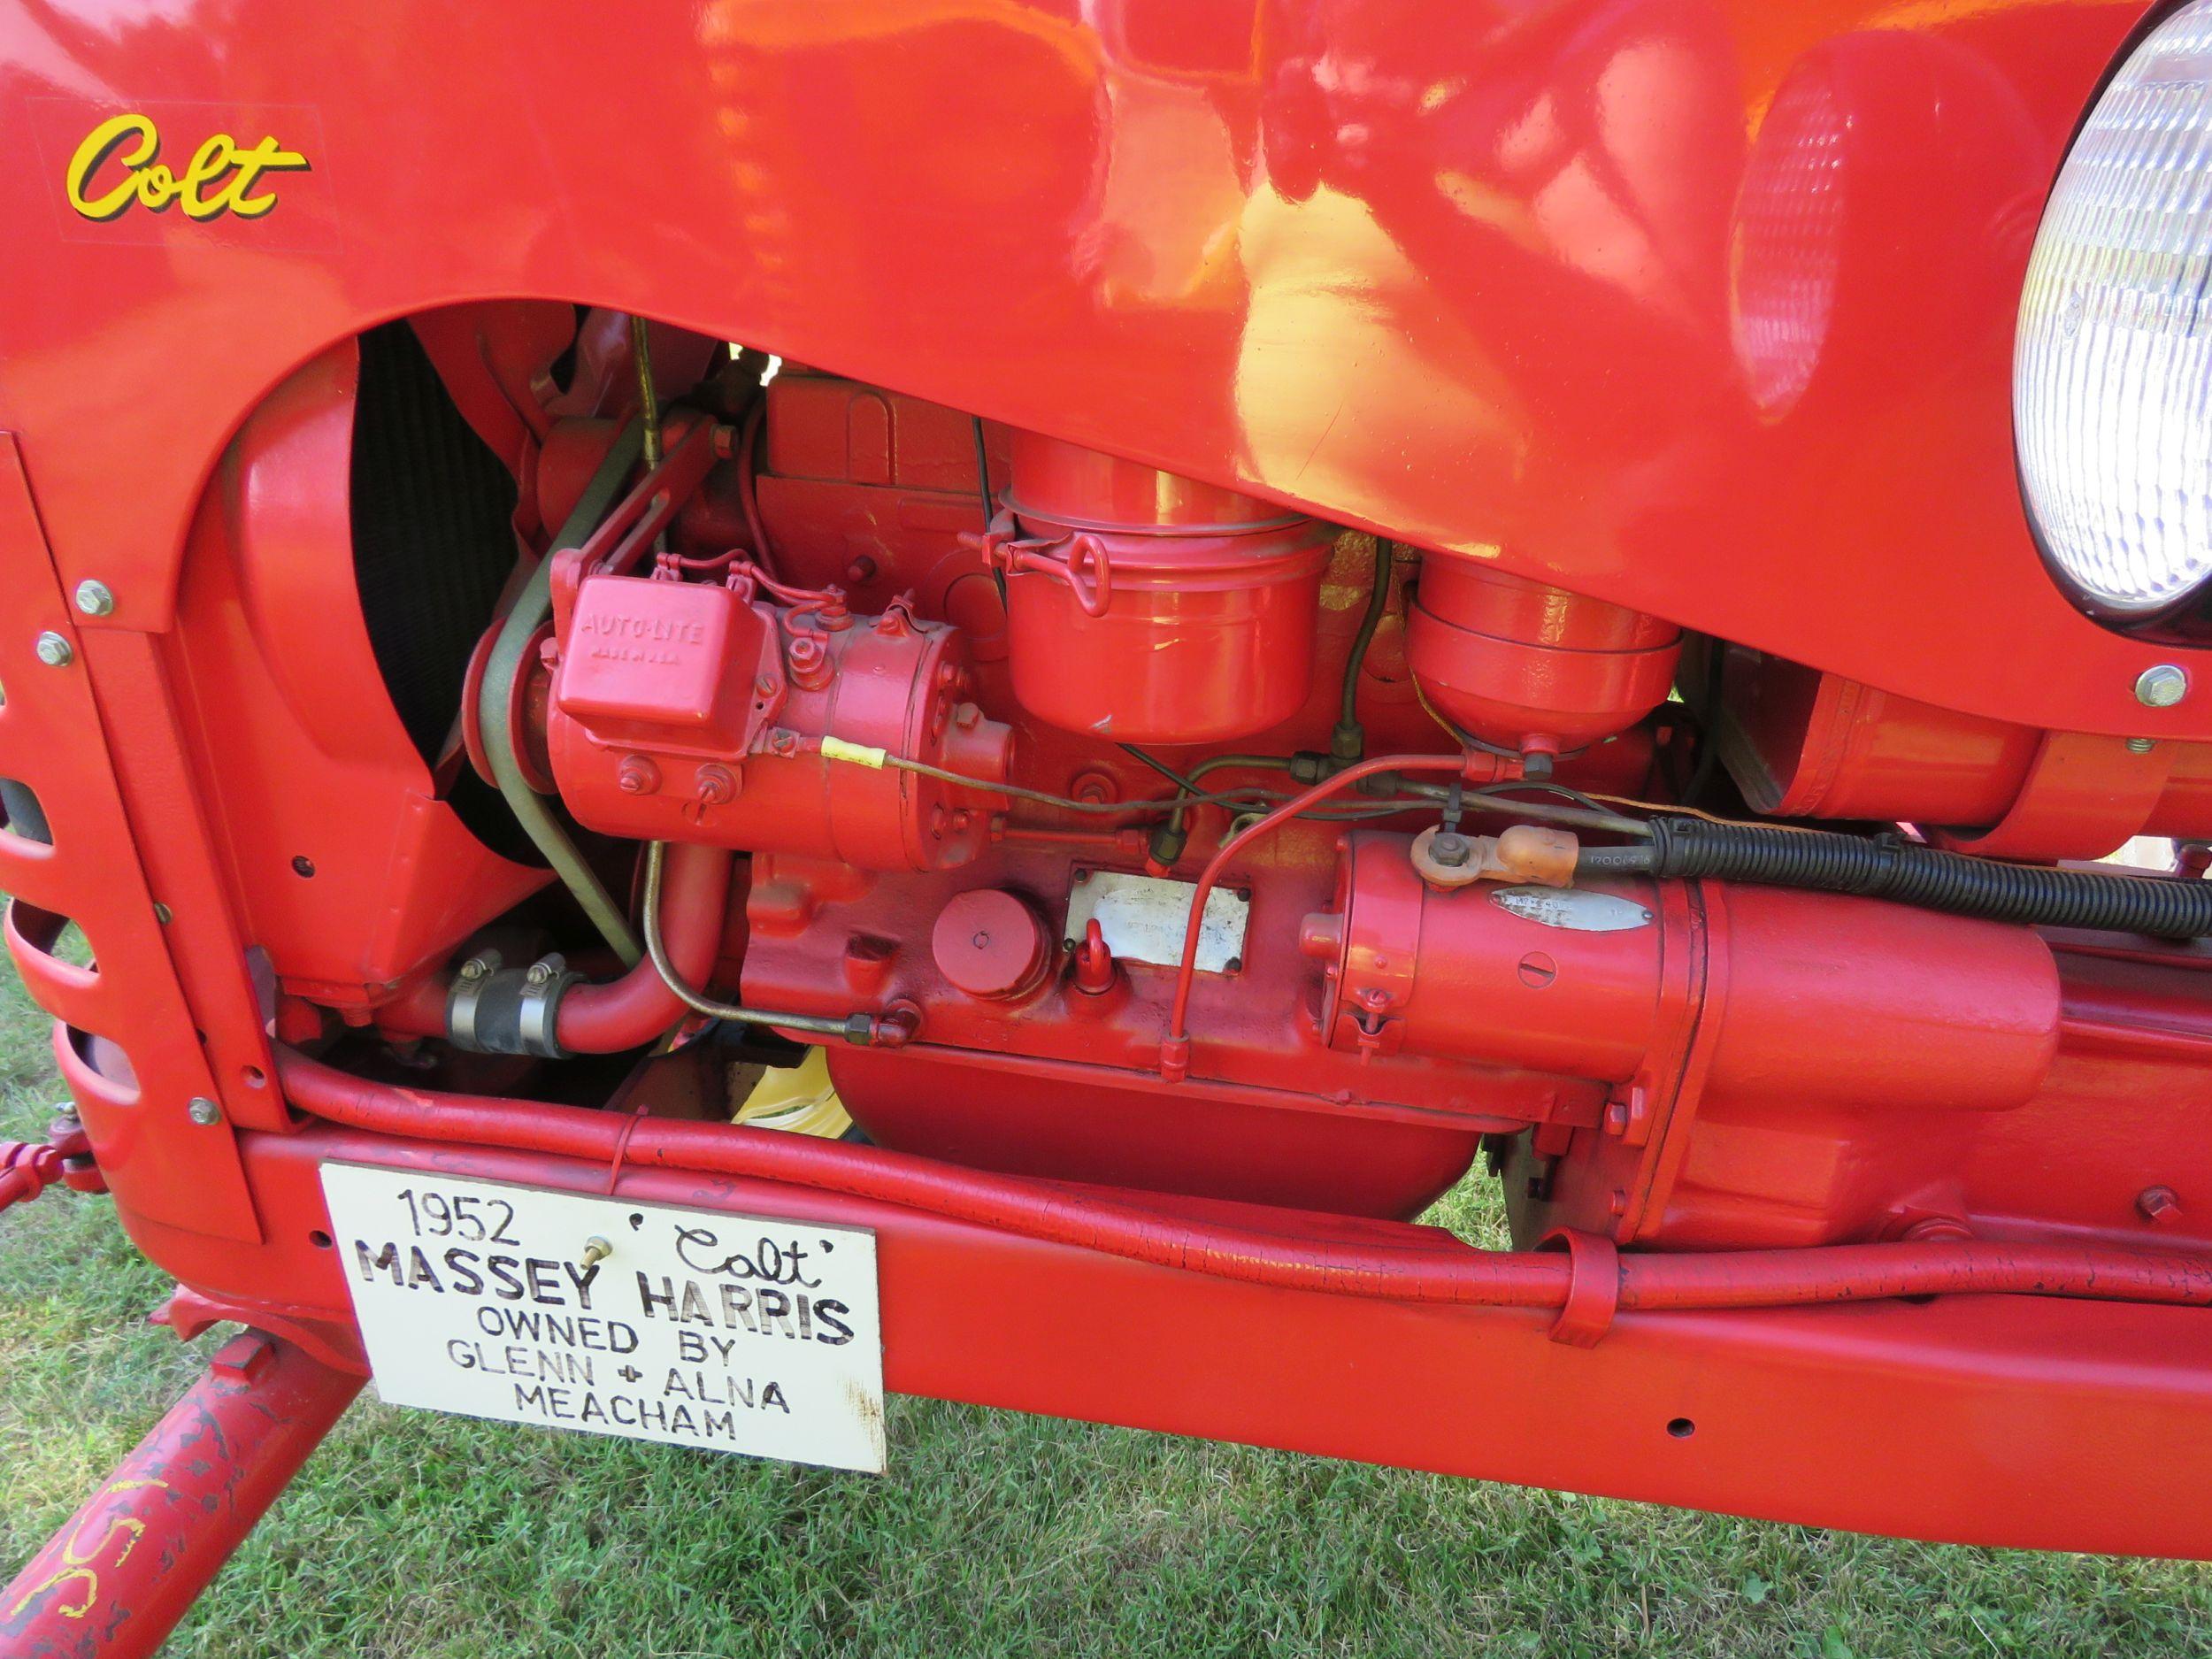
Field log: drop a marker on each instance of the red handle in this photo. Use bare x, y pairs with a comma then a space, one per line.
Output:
1085, 569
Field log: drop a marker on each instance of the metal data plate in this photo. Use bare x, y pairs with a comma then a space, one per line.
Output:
736, 1334
1578, 910
1143, 918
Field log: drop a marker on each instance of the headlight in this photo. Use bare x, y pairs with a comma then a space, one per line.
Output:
2112, 372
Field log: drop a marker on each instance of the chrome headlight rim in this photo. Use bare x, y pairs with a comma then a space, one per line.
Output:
2111, 399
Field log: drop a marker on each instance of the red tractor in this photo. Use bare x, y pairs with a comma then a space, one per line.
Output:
955, 699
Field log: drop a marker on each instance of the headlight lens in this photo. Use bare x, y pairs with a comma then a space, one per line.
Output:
2112, 372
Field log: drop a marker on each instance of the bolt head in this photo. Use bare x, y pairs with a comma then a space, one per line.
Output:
1450, 849
94, 599
539, 973
55, 651
204, 1111
1937, 1230
2158, 1205
475, 968
2162, 687
2141, 745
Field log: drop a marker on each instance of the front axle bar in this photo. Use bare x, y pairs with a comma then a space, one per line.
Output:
122, 1570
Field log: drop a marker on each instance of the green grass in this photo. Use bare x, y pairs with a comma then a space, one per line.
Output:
996, 1534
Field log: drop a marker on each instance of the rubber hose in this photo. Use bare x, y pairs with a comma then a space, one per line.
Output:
1887, 867
1348, 742
532, 606
1608, 861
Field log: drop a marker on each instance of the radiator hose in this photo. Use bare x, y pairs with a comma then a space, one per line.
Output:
1905, 872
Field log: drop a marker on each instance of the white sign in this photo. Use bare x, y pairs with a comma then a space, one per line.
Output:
1142, 919
739, 1334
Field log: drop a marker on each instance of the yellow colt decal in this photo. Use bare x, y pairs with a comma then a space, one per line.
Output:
220, 179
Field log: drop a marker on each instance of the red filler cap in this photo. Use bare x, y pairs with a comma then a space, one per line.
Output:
989, 943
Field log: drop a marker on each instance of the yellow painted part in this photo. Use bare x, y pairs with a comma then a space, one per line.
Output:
800, 1099
835, 748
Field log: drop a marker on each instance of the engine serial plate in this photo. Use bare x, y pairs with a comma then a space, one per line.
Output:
736, 1334
1142, 919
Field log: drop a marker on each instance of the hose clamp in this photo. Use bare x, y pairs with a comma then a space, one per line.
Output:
494, 1009
1594, 1285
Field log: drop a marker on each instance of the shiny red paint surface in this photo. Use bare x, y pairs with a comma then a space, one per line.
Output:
1944, 1012
1796, 1412
332, 830
1145, 608
133, 991
1701, 306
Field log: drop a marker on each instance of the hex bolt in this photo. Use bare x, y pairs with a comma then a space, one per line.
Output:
475, 967
2141, 745
53, 650
539, 973
94, 599
2158, 1205
204, 1111
1450, 849
2161, 685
